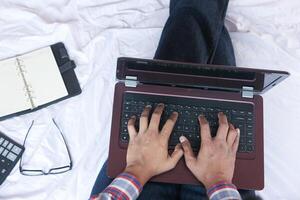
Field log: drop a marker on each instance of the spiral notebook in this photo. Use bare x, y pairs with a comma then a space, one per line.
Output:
35, 80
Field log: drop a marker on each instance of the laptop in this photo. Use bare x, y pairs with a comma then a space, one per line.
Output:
193, 89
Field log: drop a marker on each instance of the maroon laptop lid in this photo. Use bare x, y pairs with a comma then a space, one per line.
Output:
198, 75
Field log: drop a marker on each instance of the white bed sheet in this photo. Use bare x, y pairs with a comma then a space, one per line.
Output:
265, 34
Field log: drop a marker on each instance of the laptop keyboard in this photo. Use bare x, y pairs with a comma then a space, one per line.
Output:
239, 114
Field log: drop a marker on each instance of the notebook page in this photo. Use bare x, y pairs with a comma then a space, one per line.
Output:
13, 95
43, 76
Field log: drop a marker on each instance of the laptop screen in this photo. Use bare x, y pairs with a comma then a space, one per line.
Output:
198, 75
185, 69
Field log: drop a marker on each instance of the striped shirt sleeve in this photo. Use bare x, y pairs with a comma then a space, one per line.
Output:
223, 191
125, 186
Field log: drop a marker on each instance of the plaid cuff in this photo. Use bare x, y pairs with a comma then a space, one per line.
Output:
125, 186
223, 190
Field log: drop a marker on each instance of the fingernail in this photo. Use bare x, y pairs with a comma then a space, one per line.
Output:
182, 139
148, 106
160, 104
221, 113
238, 131
133, 117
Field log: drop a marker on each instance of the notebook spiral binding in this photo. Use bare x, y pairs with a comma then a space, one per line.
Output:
21, 68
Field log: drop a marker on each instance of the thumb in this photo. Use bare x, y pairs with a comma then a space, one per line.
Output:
173, 158
187, 151
176, 155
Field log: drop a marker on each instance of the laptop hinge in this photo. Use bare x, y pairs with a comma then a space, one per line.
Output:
131, 81
247, 92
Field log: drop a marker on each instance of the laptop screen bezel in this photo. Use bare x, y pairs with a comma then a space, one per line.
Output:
206, 76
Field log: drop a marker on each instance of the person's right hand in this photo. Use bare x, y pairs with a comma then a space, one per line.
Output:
216, 159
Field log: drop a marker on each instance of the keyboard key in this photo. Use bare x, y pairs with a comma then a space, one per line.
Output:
5, 152
190, 137
195, 108
184, 119
3, 171
125, 130
239, 118
249, 120
5, 143
127, 115
176, 134
243, 140
1, 140
249, 133
186, 128
242, 148
179, 127
11, 156
249, 140
202, 109
250, 148
210, 109
125, 137
16, 149
241, 112
192, 121
195, 115
194, 129
125, 123
249, 126
9, 146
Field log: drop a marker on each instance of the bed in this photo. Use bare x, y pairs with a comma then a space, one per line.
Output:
265, 34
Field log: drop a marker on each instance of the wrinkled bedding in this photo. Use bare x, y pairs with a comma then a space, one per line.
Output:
265, 34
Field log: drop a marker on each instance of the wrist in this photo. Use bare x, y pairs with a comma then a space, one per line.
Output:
139, 173
208, 183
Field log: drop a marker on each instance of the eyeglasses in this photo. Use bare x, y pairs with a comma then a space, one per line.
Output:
56, 170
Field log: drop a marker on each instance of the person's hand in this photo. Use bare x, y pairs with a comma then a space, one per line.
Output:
216, 158
147, 153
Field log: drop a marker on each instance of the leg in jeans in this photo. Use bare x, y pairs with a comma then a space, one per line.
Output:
193, 32
161, 191
223, 54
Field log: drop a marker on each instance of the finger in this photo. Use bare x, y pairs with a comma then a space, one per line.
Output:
204, 129
175, 157
223, 127
144, 119
236, 141
131, 129
155, 118
188, 153
231, 135
169, 125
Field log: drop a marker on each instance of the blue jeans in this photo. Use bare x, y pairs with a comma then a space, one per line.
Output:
194, 32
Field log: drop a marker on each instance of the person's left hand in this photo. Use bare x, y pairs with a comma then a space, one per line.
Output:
147, 153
